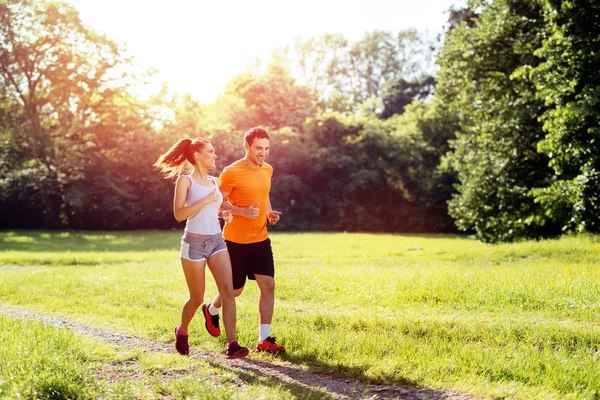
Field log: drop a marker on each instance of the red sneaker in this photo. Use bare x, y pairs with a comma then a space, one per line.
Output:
269, 346
211, 321
181, 343
234, 350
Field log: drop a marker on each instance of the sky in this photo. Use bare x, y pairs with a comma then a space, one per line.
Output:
197, 46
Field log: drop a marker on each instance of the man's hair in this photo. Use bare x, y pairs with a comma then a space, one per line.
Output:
255, 133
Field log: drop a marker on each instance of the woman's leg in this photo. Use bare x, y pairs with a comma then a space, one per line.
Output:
194, 277
220, 266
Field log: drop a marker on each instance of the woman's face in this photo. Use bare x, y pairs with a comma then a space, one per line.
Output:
207, 156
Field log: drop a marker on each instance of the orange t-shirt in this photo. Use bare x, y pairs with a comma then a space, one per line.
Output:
247, 186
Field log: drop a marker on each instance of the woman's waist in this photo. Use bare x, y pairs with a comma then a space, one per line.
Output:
203, 227
201, 236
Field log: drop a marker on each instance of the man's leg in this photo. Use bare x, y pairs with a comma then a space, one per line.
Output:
266, 304
266, 301
238, 254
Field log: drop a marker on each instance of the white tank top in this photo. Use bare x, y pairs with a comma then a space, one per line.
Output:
205, 221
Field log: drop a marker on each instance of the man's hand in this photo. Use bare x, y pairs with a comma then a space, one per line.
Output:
273, 217
227, 216
251, 212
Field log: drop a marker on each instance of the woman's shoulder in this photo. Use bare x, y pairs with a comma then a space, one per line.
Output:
215, 179
184, 180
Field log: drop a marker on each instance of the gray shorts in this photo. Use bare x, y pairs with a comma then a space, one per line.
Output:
196, 248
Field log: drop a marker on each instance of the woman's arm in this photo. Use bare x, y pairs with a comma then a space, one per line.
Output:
181, 212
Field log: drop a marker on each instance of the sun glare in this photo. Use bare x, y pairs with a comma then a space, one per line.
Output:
196, 47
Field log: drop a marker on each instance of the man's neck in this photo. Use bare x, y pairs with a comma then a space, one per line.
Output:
250, 164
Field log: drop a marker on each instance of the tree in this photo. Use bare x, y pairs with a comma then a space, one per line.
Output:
53, 70
81, 147
274, 98
568, 83
495, 150
399, 93
344, 75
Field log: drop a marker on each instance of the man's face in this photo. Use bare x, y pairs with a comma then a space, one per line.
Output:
257, 151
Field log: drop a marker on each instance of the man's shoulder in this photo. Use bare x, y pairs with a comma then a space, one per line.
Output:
234, 165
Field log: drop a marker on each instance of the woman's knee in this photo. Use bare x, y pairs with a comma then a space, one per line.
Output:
195, 300
227, 292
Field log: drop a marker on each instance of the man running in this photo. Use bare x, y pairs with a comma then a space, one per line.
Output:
246, 184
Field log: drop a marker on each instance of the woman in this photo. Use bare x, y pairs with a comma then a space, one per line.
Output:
198, 200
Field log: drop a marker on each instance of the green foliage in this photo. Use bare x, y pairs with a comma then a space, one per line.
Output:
273, 98
370, 175
495, 149
568, 83
399, 93
345, 74
79, 147
75, 129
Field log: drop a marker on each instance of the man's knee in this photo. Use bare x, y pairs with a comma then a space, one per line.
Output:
237, 292
266, 284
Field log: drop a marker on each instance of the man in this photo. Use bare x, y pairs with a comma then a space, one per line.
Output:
246, 184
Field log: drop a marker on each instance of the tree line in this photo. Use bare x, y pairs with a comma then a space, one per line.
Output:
498, 138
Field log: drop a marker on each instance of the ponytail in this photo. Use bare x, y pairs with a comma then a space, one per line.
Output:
180, 157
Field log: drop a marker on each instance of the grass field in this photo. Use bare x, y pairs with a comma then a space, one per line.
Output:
505, 321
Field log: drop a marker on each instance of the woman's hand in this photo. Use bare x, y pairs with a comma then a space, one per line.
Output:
212, 197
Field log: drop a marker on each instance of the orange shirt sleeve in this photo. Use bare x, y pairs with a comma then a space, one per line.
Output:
227, 180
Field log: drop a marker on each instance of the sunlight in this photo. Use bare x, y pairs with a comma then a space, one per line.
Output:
197, 47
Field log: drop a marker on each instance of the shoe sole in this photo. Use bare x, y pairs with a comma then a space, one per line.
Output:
239, 354
270, 351
206, 318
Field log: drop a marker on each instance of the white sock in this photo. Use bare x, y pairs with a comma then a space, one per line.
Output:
212, 310
264, 331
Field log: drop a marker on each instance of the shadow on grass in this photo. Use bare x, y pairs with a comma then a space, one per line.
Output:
319, 382
63, 241
255, 375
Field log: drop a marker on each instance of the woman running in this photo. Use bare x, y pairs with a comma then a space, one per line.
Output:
198, 200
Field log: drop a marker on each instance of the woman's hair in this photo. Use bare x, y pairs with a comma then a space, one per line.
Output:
179, 159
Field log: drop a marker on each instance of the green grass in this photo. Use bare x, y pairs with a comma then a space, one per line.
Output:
41, 362
504, 321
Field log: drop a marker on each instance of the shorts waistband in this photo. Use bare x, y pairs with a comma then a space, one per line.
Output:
191, 238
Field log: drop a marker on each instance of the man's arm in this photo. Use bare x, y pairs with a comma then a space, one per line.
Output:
272, 215
247, 212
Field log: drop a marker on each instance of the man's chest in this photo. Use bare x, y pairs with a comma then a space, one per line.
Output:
254, 185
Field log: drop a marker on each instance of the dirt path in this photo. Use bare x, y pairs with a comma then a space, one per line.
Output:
289, 374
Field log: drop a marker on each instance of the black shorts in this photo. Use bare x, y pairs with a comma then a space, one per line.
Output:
250, 259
